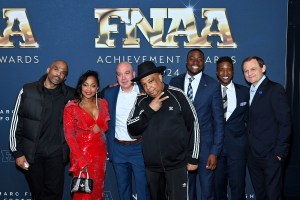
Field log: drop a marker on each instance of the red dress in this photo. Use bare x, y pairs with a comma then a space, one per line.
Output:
87, 147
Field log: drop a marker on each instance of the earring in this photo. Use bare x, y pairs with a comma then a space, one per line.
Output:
97, 100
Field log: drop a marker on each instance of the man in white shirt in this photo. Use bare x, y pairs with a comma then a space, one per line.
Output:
204, 91
231, 167
124, 151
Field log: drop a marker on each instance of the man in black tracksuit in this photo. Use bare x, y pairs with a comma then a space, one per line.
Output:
169, 125
36, 135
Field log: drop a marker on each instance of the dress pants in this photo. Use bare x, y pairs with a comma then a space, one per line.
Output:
206, 178
233, 172
128, 161
46, 178
266, 177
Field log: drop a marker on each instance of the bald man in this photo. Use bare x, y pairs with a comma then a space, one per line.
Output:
125, 151
37, 139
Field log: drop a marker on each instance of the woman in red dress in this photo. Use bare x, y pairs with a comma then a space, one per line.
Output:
85, 121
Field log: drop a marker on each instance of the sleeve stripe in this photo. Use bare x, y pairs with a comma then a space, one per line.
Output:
196, 125
14, 123
129, 119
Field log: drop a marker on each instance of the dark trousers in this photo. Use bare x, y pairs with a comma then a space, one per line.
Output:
46, 178
266, 177
171, 184
232, 171
206, 178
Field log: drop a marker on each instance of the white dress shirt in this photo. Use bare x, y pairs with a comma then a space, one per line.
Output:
195, 83
231, 98
125, 103
254, 88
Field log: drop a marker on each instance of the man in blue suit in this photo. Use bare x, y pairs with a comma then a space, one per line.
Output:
231, 166
124, 151
269, 130
205, 93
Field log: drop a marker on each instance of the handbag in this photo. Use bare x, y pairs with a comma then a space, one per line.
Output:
82, 185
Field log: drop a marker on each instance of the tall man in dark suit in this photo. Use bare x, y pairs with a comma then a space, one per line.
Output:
205, 93
124, 151
269, 130
231, 166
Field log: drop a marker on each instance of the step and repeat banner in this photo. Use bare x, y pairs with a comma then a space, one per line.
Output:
99, 34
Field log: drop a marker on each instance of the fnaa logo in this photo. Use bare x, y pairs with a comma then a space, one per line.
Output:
183, 24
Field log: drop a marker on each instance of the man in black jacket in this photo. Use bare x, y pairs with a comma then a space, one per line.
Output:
168, 122
36, 135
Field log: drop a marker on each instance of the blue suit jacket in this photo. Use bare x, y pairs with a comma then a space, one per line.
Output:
269, 122
235, 136
111, 95
209, 108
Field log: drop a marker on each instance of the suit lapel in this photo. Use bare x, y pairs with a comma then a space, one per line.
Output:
115, 94
238, 101
201, 88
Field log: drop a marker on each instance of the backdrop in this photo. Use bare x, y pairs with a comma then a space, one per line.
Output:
97, 35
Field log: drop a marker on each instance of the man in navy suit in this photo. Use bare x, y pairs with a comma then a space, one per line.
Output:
124, 151
231, 166
269, 130
206, 97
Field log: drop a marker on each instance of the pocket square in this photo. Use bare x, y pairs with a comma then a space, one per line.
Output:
243, 103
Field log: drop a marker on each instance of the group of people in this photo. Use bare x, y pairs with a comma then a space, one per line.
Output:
165, 137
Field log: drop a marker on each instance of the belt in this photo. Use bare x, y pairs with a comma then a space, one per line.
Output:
138, 140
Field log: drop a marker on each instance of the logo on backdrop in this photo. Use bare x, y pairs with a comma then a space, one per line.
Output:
17, 24
250, 196
14, 195
107, 195
16, 18
7, 156
134, 19
183, 23
5, 114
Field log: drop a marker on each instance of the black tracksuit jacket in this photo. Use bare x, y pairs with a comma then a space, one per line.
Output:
171, 136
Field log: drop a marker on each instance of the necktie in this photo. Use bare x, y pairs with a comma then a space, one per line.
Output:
224, 98
190, 89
